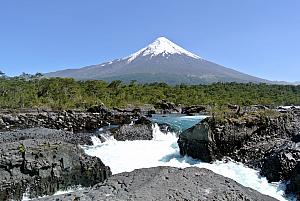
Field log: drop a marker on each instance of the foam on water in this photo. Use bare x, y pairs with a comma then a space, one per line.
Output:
27, 198
125, 156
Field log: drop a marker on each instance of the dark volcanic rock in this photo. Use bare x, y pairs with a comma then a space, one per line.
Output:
166, 183
42, 161
280, 163
66, 120
134, 132
45, 133
198, 142
245, 139
165, 128
71, 121
166, 107
98, 109
141, 129
193, 109
264, 141
294, 185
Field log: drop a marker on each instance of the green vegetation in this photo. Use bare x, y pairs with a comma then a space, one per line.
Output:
21, 148
59, 93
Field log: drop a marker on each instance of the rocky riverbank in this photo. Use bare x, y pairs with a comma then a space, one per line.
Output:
165, 183
266, 140
40, 150
42, 161
43, 155
93, 118
64, 120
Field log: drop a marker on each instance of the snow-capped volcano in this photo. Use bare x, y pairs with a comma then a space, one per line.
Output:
161, 46
160, 61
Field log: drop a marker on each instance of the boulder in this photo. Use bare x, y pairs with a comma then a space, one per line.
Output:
134, 132
42, 161
234, 136
165, 183
166, 128
2, 124
279, 163
264, 141
209, 141
198, 142
140, 129
294, 184
194, 109
150, 113
166, 107
41, 167
10, 119
98, 109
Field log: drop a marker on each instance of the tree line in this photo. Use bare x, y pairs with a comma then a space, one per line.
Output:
67, 93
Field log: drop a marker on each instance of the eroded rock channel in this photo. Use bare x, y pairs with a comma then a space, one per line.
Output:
40, 161
266, 142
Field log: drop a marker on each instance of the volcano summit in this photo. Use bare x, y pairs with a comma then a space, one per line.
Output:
160, 61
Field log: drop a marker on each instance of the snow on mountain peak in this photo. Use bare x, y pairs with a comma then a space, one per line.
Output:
161, 46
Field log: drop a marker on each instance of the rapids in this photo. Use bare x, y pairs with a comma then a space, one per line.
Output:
162, 150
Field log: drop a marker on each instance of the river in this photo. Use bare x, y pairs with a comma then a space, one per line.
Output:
162, 150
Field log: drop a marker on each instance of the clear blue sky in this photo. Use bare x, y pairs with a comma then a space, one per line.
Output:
258, 37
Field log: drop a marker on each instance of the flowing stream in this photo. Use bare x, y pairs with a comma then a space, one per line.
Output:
162, 150
125, 156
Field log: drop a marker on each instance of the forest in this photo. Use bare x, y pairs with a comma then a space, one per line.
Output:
67, 93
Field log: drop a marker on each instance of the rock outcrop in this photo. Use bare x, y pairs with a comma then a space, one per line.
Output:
167, 107
279, 163
133, 132
194, 109
165, 183
141, 129
46, 133
42, 161
265, 140
65, 120
294, 185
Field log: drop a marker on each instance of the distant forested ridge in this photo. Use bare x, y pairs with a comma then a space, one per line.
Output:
66, 93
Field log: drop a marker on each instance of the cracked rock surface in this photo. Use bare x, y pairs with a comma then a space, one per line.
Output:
269, 143
165, 183
50, 161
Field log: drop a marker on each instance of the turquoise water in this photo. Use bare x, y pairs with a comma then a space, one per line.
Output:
177, 122
163, 150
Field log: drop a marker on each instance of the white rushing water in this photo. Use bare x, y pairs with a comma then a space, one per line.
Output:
26, 197
125, 156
